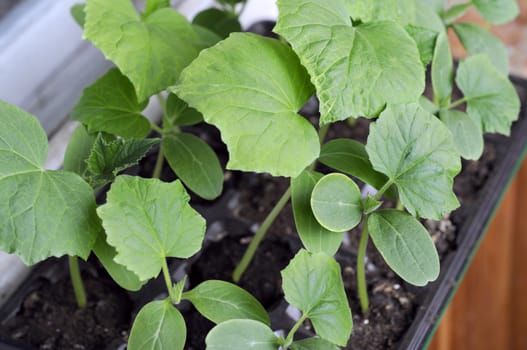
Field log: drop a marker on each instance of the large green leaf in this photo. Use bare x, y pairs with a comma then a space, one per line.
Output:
336, 202
405, 245
251, 88
241, 334
314, 237
158, 326
221, 301
312, 282
356, 70
467, 133
195, 163
147, 220
150, 52
442, 71
491, 97
400, 11
477, 40
417, 153
313, 344
42, 213
497, 11
111, 105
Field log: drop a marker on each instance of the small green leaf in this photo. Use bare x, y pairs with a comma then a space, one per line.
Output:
356, 70
417, 153
158, 325
120, 274
147, 220
477, 40
221, 301
350, 157
313, 344
206, 38
150, 52
77, 12
442, 71
425, 40
312, 282
107, 158
405, 245
456, 11
491, 97
179, 113
314, 237
110, 105
370, 204
497, 11
152, 6
78, 150
251, 88
468, 136
241, 334
336, 202
42, 213
195, 163
220, 22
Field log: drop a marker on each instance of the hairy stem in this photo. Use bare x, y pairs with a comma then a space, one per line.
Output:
291, 334
159, 163
76, 281
457, 103
168, 283
259, 235
361, 272
383, 189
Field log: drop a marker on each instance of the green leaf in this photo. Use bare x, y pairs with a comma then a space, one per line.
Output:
314, 237
110, 105
42, 213
158, 325
221, 301
356, 70
491, 97
179, 113
370, 204
400, 11
220, 22
456, 11
428, 15
251, 88
78, 151
417, 153
313, 344
195, 163
428, 105
442, 71
152, 6
405, 245
241, 334
350, 157
147, 220
467, 133
77, 12
425, 40
119, 273
477, 40
150, 52
497, 11
206, 38
107, 158
437, 6
336, 202
312, 283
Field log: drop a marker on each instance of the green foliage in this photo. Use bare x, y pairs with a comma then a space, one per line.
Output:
77, 12
313, 344
356, 70
442, 72
425, 40
147, 221
466, 131
254, 108
195, 163
221, 301
312, 282
152, 6
497, 12
158, 326
314, 237
405, 245
178, 113
42, 213
336, 202
220, 22
241, 334
400, 11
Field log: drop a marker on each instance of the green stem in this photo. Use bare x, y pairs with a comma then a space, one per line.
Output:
155, 127
259, 235
361, 272
159, 163
291, 334
457, 103
399, 205
168, 282
383, 189
76, 281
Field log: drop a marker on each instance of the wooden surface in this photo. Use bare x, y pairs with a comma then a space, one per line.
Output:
489, 310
